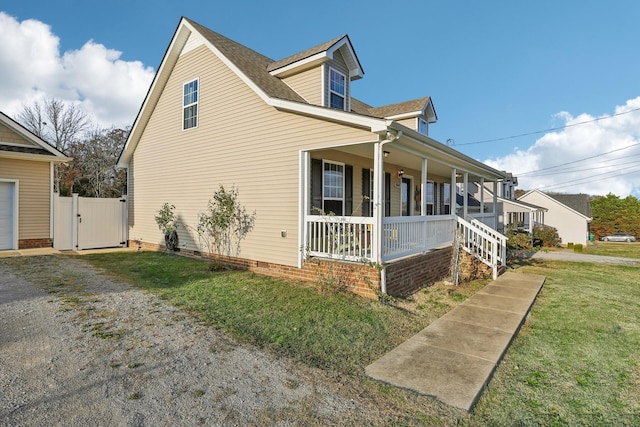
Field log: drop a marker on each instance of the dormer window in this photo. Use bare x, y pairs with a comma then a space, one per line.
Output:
190, 105
423, 128
337, 86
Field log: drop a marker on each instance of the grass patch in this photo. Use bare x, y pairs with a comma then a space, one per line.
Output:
339, 332
624, 250
576, 361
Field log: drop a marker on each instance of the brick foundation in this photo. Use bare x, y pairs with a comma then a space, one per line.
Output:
361, 279
35, 243
470, 268
406, 276
403, 277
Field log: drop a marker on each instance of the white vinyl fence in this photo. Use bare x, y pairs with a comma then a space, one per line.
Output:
89, 223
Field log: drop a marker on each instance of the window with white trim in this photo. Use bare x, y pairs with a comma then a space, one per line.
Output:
337, 89
190, 105
333, 187
423, 128
446, 198
429, 198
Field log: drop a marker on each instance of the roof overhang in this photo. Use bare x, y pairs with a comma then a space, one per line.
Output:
54, 155
427, 111
343, 45
422, 146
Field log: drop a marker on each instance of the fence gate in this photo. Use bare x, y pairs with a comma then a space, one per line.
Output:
89, 223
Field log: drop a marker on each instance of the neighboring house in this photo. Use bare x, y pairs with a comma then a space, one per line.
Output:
570, 214
509, 211
26, 187
289, 135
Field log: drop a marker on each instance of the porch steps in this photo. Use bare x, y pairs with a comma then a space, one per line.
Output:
453, 359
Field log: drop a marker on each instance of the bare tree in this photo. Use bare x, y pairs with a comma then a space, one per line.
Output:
53, 120
61, 125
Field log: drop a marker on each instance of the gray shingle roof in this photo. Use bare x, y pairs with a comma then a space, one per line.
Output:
27, 150
578, 202
399, 108
251, 63
257, 66
304, 54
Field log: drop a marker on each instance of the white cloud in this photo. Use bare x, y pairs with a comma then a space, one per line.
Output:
94, 77
598, 157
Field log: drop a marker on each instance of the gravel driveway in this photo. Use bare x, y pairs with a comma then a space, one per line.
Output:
80, 349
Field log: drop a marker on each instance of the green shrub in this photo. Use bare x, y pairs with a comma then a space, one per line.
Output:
570, 245
577, 247
547, 235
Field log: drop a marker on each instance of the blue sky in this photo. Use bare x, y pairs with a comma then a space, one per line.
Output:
493, 69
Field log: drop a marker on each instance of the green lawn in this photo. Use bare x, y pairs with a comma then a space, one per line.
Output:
625, 250
576, 361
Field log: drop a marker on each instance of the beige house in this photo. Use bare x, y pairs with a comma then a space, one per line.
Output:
26, 187
570, 214
290, 137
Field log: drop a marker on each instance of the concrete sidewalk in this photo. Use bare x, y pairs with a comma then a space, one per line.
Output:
454, 357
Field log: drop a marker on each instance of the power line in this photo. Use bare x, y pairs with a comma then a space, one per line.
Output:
579, 160
592, 178
546, 130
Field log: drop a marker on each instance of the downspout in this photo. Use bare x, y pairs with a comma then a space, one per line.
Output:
378, 206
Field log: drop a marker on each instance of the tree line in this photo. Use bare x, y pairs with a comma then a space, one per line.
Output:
94, 149
612, 214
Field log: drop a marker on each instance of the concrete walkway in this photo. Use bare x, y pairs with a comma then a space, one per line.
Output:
455, 356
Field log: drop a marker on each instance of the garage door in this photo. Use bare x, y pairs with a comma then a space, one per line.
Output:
7, 219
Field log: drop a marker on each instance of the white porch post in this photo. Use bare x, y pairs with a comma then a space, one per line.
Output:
452, 201
482, 198
495, 206
303, 202
423, 188
378, 202
465, 190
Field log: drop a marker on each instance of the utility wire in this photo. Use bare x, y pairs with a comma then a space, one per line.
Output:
579, 160
582, 180
546, 130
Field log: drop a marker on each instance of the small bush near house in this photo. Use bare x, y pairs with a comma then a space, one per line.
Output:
577, 247
517, 240
547, 235
570, 245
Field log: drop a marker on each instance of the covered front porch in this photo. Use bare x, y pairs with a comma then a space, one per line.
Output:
380, 202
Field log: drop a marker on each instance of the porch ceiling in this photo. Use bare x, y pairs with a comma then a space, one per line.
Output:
405, 157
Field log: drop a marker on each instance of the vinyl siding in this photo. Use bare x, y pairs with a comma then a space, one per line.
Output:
338, 64
239, 141
360, 163
33, 197
308, 84
572, 227
411, 123
10, 136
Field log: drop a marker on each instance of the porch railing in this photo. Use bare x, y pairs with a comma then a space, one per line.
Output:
350, 238
408, 235
484, 242
347, 238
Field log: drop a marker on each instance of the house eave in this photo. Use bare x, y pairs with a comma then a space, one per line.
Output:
417, 141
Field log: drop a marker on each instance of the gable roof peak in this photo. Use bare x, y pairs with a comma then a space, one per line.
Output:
319, 54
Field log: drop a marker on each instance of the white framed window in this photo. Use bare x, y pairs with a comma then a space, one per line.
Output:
423, 128
190, 105
446, 198
429, 197
337, 89
333, 187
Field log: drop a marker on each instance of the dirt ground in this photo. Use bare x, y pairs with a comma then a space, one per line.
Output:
80, 349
